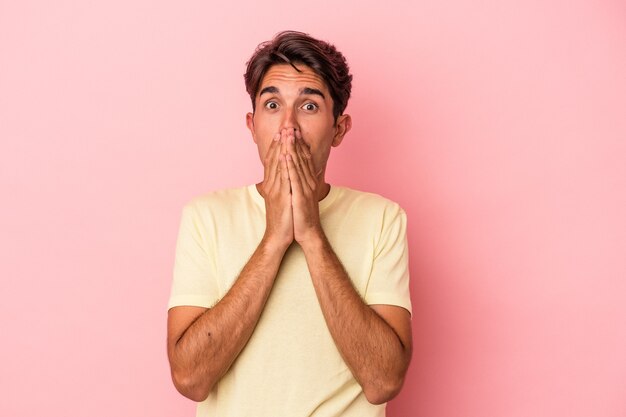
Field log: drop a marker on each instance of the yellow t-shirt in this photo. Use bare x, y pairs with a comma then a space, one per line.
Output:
290, 366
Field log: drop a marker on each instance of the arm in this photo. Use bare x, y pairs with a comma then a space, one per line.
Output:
203, 343
375, 342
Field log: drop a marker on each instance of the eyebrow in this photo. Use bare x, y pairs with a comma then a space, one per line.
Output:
305, 91
315, 91
269, 90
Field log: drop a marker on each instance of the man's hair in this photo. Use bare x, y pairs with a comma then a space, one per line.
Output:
291, 47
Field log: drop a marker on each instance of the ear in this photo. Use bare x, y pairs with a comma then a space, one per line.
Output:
343, 126
250, 124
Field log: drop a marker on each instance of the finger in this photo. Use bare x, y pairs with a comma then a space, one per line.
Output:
306, 151
275, 180
283, 144
310, 164
284, 138
305, 147
305, 181
291, 149
266, 163
294, 176
285, 183
287, 140
301, 168
272, 161
270, 151
305, 170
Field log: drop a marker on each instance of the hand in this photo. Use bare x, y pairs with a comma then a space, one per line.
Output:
304, 185
275, 192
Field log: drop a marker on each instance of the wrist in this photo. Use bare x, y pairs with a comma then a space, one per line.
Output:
313, 241
275, 244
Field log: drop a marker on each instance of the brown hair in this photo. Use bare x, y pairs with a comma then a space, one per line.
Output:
293, 47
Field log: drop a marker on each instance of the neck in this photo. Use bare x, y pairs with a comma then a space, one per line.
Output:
322, 190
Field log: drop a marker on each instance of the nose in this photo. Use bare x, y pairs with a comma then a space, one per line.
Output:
289, 120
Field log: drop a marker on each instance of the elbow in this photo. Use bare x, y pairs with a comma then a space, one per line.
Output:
382, 391
190, 387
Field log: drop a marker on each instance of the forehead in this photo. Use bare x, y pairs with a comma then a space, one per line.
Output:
285, 75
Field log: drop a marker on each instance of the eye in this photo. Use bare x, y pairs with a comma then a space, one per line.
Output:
271, 105
310, 107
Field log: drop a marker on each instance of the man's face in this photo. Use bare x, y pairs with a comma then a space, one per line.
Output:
288, 99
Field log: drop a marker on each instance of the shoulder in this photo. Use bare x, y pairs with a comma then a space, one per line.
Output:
368, 202
217, 206
213, 200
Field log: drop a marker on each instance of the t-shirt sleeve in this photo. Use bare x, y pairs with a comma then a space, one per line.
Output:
389, 279
193, 281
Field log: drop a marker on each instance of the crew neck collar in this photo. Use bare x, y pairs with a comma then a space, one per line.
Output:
323, 204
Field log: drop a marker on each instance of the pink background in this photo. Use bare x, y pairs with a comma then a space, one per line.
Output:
499, 126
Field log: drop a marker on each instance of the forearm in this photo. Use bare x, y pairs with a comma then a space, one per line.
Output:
208, 347
370, 347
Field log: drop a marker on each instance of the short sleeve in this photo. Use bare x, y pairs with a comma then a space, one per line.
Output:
194, 281
389, 279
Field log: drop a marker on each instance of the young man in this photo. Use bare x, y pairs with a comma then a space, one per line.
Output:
290, 297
